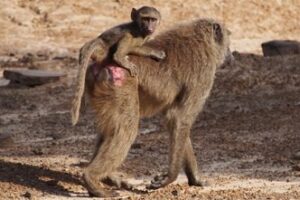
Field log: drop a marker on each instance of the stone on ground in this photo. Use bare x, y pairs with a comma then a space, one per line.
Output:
31, 77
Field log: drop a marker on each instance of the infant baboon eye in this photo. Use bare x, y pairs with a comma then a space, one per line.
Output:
218, 34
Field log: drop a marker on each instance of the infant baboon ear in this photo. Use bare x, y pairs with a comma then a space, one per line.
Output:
218, 34
134, 14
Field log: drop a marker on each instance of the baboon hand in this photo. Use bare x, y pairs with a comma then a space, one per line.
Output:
160, 181
133, 70
159, 55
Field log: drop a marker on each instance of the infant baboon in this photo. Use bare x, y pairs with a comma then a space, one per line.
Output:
118, 42
177, 86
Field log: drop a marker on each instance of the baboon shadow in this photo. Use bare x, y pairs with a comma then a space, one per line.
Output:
32, 177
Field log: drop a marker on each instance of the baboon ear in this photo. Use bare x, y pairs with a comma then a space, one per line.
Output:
133, 14
218, 34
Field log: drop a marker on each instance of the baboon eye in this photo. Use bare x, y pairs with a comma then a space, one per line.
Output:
149, 19
218, 35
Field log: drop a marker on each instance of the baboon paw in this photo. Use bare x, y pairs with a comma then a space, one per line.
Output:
96, 190
117, 182
159, 181
133, 71
159, 178
103, 194
198, 183
160, 55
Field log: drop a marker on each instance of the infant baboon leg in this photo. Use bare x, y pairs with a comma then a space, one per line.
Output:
190, 165
124, 62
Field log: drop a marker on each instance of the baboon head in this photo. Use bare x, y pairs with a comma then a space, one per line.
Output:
146, 18
221, 37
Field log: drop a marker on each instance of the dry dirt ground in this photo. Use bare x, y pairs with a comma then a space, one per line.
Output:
244, 139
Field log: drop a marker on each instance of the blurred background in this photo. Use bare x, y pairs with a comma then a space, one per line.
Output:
64, 25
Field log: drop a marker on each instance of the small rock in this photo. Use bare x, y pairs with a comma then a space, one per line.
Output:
280, 47
174, 193
52, 182
38, 152
31, 77
55, 135
6, 141
32, 107
4, 82
296, 156
137, 146
27, 195
296, 167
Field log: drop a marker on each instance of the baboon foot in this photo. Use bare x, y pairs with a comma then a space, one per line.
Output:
116, 180
197, 182
95, 189
160, 181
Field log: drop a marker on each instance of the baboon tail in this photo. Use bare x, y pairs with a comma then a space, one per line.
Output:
85, 54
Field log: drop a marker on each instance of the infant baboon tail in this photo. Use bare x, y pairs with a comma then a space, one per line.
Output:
95, 49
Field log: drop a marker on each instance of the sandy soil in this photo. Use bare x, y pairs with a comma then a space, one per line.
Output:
244, 139
61, 27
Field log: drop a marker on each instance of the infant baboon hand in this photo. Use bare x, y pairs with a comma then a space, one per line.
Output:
133, 71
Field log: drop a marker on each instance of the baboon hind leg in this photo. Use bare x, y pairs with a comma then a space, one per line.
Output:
191, 166
117, 117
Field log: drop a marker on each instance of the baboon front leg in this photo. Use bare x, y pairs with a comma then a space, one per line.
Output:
190, 168
180, 120
179, 133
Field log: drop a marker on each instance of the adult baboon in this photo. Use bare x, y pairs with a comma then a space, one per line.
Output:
176, 86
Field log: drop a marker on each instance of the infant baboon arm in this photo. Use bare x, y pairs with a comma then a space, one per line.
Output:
130, 45
125, 48
120, 56
148, 51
